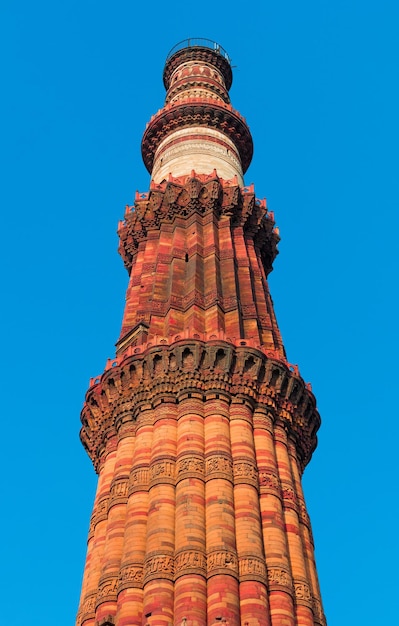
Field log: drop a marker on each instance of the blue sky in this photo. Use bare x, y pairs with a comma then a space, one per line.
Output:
318, 84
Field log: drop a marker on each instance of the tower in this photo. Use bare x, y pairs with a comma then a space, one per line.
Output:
199, 428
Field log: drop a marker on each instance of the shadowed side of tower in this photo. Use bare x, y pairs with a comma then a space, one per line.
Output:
199, 428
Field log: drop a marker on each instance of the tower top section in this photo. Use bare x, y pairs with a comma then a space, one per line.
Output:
198, 49
197, 128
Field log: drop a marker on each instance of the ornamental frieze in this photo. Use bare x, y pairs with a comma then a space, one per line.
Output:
319, 617
159, 566
278, 578
165, 258
302, 593
211, 298
195, 248
245, 472
190, 562
303, 514
217, 466
100, 513
195, 297
190, 466
222, 562
131, 575
230, 303
289, 497
176, 301
119, 492
107, 589
269, 482
158, 307
252, 568
88, 606
162, 471
138, 480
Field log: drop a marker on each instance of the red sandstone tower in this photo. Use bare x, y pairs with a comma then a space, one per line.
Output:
199, 428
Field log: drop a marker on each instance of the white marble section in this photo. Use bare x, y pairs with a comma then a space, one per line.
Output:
196, 148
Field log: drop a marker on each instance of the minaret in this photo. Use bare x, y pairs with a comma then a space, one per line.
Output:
199, 428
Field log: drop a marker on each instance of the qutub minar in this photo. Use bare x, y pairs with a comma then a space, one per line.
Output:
199, 428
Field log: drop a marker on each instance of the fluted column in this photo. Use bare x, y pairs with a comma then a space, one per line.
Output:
222, 563
130, 596
304, 613
258, 286
111, 560
89, 553
87, 600
248, 309
194, 278
97, 537
160, 543
214, 317
273, 526
307, 539
190, 554
254, 605
174, 320
232, 317
133, 290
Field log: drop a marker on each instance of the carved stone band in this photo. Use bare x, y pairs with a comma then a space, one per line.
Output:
107, 590
88, 606
245, 471
222, 562
190, 562
252, 568
303, 514
131, 575
159, 566
302, 593
289, 497
269, 482
99, 514
217, 466
162, 471
318, 613
138, 479
279, 579
119, 492
190, 467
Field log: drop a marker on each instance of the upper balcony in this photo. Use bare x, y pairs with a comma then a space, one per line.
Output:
197, 48
199, 42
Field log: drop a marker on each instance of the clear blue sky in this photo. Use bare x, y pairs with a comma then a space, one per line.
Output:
318, 84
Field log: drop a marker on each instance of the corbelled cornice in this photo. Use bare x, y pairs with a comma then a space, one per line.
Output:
197, 112
146, 374
183, 196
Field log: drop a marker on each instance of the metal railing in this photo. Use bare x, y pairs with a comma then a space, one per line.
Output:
199, 42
